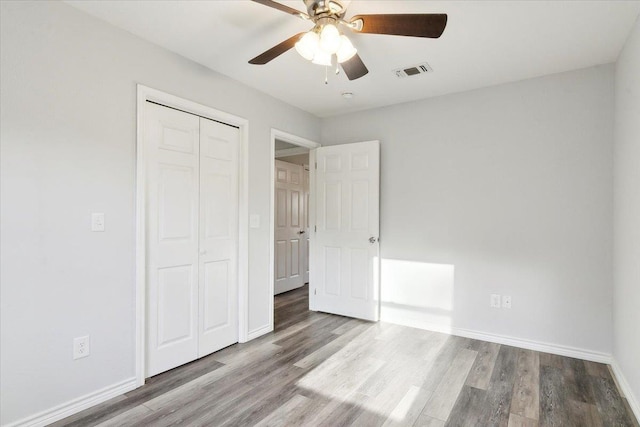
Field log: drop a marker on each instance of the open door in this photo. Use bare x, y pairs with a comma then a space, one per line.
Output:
345, 225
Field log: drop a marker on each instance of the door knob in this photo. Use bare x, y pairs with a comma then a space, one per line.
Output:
301, 232
372, 239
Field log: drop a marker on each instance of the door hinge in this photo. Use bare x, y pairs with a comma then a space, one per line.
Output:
315, 228
316, 165
315, 292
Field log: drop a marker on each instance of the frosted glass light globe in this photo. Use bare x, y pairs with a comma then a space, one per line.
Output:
308, 45
346, 51
322, 58
330, 39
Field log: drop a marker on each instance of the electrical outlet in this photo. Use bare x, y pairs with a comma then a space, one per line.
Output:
495, 301
81, 347
97, 221
506, 301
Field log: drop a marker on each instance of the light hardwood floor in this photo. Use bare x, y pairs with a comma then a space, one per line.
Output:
326, 370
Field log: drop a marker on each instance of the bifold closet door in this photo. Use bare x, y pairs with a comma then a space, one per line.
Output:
192, 237
218, 298
172, 220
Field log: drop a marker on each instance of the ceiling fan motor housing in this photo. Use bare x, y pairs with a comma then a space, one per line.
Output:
324, 8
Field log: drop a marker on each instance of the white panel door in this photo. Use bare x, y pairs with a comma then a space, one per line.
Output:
344, 247
305, 215
172, 238
289, 227
218, 297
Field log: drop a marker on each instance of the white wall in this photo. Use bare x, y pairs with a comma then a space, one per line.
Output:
626, 296
503, 190
299, 159
68, 103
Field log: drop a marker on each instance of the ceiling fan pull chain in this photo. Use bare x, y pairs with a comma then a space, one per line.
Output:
326, 75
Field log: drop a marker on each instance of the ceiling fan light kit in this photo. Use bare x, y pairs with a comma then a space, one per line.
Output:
324, 40
320, 49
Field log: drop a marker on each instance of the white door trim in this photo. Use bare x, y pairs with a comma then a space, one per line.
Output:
301, 142
145, 94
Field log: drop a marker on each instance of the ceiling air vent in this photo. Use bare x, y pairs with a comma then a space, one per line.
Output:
414, 70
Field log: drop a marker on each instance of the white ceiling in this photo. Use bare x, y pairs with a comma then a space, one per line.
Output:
485, 43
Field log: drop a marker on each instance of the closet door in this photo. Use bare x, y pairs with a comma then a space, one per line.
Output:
218, 295
172, 145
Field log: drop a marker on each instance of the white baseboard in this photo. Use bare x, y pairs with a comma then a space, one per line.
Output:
76, 405
258, 332
626, 388
560, 350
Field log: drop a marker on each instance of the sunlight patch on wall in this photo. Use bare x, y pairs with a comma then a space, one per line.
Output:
417, 294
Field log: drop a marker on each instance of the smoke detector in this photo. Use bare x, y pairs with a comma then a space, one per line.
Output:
413, 70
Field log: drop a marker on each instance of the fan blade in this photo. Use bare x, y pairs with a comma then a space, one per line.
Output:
429, 25
354, 68
276, 51
283, 8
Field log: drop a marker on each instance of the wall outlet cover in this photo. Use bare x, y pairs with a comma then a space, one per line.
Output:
506, 301
81, 347
97, 221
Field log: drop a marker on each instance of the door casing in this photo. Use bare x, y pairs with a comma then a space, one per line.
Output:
144, 94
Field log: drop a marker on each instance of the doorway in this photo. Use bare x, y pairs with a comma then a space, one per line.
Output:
291, 250
291, 202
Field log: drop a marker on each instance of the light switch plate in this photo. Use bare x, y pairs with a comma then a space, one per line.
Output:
495, 300
254, 221
97, 221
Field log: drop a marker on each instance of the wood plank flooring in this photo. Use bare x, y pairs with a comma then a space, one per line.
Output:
317, 369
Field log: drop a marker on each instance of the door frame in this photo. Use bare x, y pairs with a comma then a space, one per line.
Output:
144, 94
301, 142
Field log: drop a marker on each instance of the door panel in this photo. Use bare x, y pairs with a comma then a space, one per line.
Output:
346, 262
216, 294
172, 233
175, 308
218, 319
289, 227
295, 208
281, 259
216, 205
294, 250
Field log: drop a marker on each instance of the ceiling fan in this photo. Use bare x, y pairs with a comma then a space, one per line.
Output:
325, 39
